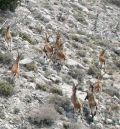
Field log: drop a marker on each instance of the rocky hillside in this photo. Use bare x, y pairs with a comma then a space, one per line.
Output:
40, 97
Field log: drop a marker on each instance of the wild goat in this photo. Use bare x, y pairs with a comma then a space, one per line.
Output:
48, 48
96, 87
8, 38
14, 68
58, 44
102, 58
75, 101
59, 55
92, 103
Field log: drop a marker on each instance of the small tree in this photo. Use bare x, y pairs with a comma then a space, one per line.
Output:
9, 4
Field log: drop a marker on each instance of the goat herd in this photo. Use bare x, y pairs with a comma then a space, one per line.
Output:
91, 92
56, 52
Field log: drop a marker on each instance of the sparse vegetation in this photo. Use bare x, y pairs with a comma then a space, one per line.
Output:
67, 125
76, 74
81, 18
44, 116
31, 66
6, 89
94, 69
115, 107
115, 2
56, 90
5, 58
81, 53
27, 37
63, 101
9, 4
42, 87
112, 92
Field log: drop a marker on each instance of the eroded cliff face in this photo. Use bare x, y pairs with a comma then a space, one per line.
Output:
41, 95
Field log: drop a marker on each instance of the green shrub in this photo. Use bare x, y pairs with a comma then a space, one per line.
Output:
56, 90
31, 66
81, 18
27, 37
116, 2
5, 58
9, 4
6, 89
44, 116
76, 74
42, 87
60, 101
94, 69
68, 125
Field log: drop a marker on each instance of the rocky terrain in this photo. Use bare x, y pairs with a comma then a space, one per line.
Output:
40, 97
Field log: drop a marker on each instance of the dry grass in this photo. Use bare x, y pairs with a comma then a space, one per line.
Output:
56, 90
60, 101
43, 116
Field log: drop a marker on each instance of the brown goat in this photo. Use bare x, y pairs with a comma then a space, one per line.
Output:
92, 103
8, 38
96, 87
102, 58
58, 44
48, 48
60, 55
75, 101
14, 68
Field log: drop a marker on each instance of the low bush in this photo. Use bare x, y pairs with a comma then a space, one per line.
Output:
56, 90
9, 4
115, 2
6, 89
67, 125
5, 58
44, 116
60, 101
94, 69
76, 74
31, 66
42, 87
27, 37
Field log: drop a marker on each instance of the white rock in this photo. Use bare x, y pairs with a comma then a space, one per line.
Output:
109, 121
26, 61
75, 63
30, 85
46, 18
99, 126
